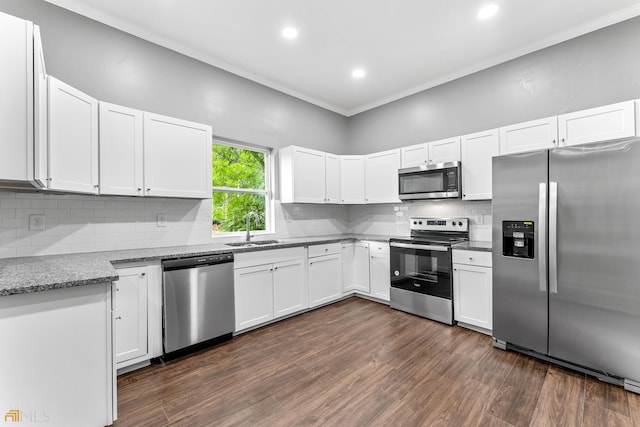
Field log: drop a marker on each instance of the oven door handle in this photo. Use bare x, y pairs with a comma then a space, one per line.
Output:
420, 247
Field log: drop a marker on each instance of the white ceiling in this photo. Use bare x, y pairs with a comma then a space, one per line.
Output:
405, 45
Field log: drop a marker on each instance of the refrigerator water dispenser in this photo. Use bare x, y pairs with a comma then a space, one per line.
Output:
517, 239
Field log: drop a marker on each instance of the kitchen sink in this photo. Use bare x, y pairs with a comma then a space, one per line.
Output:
253, 243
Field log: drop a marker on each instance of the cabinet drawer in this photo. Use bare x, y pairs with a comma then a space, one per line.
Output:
267, 256
324, 249
479, 258
379, 247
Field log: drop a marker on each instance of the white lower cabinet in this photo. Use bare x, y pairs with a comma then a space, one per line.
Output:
137, 307
472, 289
130, 310
253, 295
379, 278
268, 284
355, 267
325, 273
57, 356
289, 290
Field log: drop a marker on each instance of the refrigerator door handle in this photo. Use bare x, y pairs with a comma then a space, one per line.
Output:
542, 237
553, 237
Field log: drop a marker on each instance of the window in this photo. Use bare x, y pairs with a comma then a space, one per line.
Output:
241, 184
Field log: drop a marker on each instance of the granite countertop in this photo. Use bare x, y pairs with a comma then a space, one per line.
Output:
41, 273
473, 245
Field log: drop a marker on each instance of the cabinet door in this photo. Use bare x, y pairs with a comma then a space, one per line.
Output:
381, 177
308, 176
361, 267
610, 122
352, 179
120, 150
40, 112
325, 279
59, 353
177, 157
131, 314
289, 288
73, 139
253, 295
472, 295
16, 101
529, 136
478, 150
348, 267
332, 178
379, 268
444, 150
414, 155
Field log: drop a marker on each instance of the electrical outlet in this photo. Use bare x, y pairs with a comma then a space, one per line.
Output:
36, 222
161, 220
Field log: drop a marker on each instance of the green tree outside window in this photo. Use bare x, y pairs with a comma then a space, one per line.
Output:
240, 186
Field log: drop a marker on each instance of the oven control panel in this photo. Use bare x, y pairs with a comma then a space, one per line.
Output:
438, 224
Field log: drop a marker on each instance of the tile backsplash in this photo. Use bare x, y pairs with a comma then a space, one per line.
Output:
79, 223
83, 223
394, 219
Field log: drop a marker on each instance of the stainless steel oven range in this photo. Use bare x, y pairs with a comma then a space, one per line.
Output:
421, 271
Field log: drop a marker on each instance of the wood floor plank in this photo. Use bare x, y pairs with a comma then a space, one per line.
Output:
597, 416
518, 395
359, 363
607, 396
561, 400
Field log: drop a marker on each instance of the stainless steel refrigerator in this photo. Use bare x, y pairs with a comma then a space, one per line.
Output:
566, 257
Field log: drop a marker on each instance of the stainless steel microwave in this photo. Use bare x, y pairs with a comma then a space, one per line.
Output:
440, 181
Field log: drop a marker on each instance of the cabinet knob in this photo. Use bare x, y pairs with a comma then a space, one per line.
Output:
553, 142
119, 318
139, 189
148, 189
143, 274
117, 289
562, 140
275, 268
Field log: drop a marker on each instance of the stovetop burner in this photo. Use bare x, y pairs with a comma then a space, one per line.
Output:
442, 231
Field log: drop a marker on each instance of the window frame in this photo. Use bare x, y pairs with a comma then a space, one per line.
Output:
267, 192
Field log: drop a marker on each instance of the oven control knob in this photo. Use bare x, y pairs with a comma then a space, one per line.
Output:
396, 273
415, 222
453, 223
460, 223
420, 223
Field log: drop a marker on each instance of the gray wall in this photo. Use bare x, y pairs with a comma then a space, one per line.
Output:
599, 68
113, 66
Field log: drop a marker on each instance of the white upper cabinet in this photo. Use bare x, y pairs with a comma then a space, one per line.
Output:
22, 104
414, 155
381, 177
177, 157
610, 122
434, 152
529, 136
304, 176
121, 150
444, 150
332, 178
73, 139
352, 179
478, 150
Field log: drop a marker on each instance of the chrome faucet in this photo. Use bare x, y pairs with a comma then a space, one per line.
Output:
256, 219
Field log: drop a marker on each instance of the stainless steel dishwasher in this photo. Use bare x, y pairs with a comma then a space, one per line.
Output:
198, 305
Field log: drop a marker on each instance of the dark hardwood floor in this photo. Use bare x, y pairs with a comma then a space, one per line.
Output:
359, 363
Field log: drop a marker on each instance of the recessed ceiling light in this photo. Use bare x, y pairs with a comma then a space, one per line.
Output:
358, 73
488, 11
289, 33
